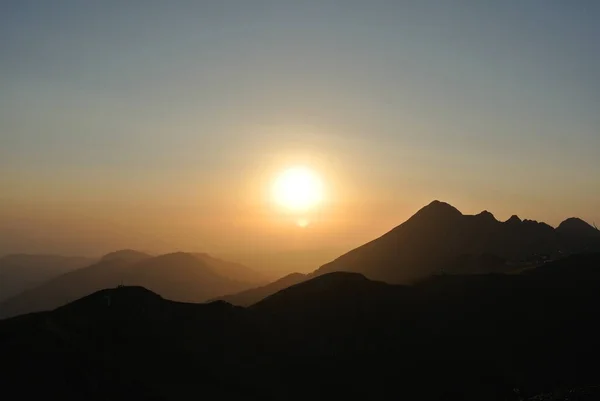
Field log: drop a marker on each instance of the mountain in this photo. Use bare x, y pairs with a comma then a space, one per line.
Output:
578, 235
109, 271
253, 295
439, 238
125, 255
19, 272
577, 228
178, 276
186, 277
231, 270
526, 336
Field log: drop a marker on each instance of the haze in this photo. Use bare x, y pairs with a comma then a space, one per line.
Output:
161, 126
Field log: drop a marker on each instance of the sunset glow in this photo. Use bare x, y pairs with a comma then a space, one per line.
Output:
298, 188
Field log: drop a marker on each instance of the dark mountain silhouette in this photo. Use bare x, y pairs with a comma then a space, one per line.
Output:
439, 238
524, 336
253, 295
577, 228
179, 276
578, 235
20, 272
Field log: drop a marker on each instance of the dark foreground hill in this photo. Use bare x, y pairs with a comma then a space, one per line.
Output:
253, 295
339, 336
180, 276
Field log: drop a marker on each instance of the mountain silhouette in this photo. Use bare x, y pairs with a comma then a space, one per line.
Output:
578, 235
109, 271
20, 272
524, 336
439, 238
577, 228
253, 295
178, 276
124, 255
184, 277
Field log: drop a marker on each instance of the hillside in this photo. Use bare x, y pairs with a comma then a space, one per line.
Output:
253, 295
20, 272
178, 276
338, 336
440, 239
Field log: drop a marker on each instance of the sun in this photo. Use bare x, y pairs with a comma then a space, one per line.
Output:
298, 189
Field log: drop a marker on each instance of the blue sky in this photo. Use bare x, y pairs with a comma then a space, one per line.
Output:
486, 104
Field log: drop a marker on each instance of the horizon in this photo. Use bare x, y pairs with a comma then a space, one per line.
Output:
274, 265
162, 127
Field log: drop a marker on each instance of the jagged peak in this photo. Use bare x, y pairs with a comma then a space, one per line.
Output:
487, 216
513, 219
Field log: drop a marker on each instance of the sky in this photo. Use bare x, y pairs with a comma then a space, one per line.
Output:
160, 125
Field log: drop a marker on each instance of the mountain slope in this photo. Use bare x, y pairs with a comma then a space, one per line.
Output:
183, 277
178, 276
20, 272
253, 295
231, 270
439, 238
109, 271
467, 337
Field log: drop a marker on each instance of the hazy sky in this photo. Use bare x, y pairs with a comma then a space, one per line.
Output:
160, 124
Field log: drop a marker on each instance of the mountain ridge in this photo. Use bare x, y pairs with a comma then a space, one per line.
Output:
448, 241
438, 235
179, 276
20, 272
502, 332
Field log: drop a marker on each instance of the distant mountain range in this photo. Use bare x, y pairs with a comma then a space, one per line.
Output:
178, 276
439, 239
528, 336
20, 272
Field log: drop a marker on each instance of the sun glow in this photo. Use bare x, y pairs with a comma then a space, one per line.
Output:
303, 223
298, 189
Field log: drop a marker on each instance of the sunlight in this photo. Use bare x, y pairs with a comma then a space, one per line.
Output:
303, 223
298, 188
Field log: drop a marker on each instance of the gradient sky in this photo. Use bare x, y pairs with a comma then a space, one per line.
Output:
159, 124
